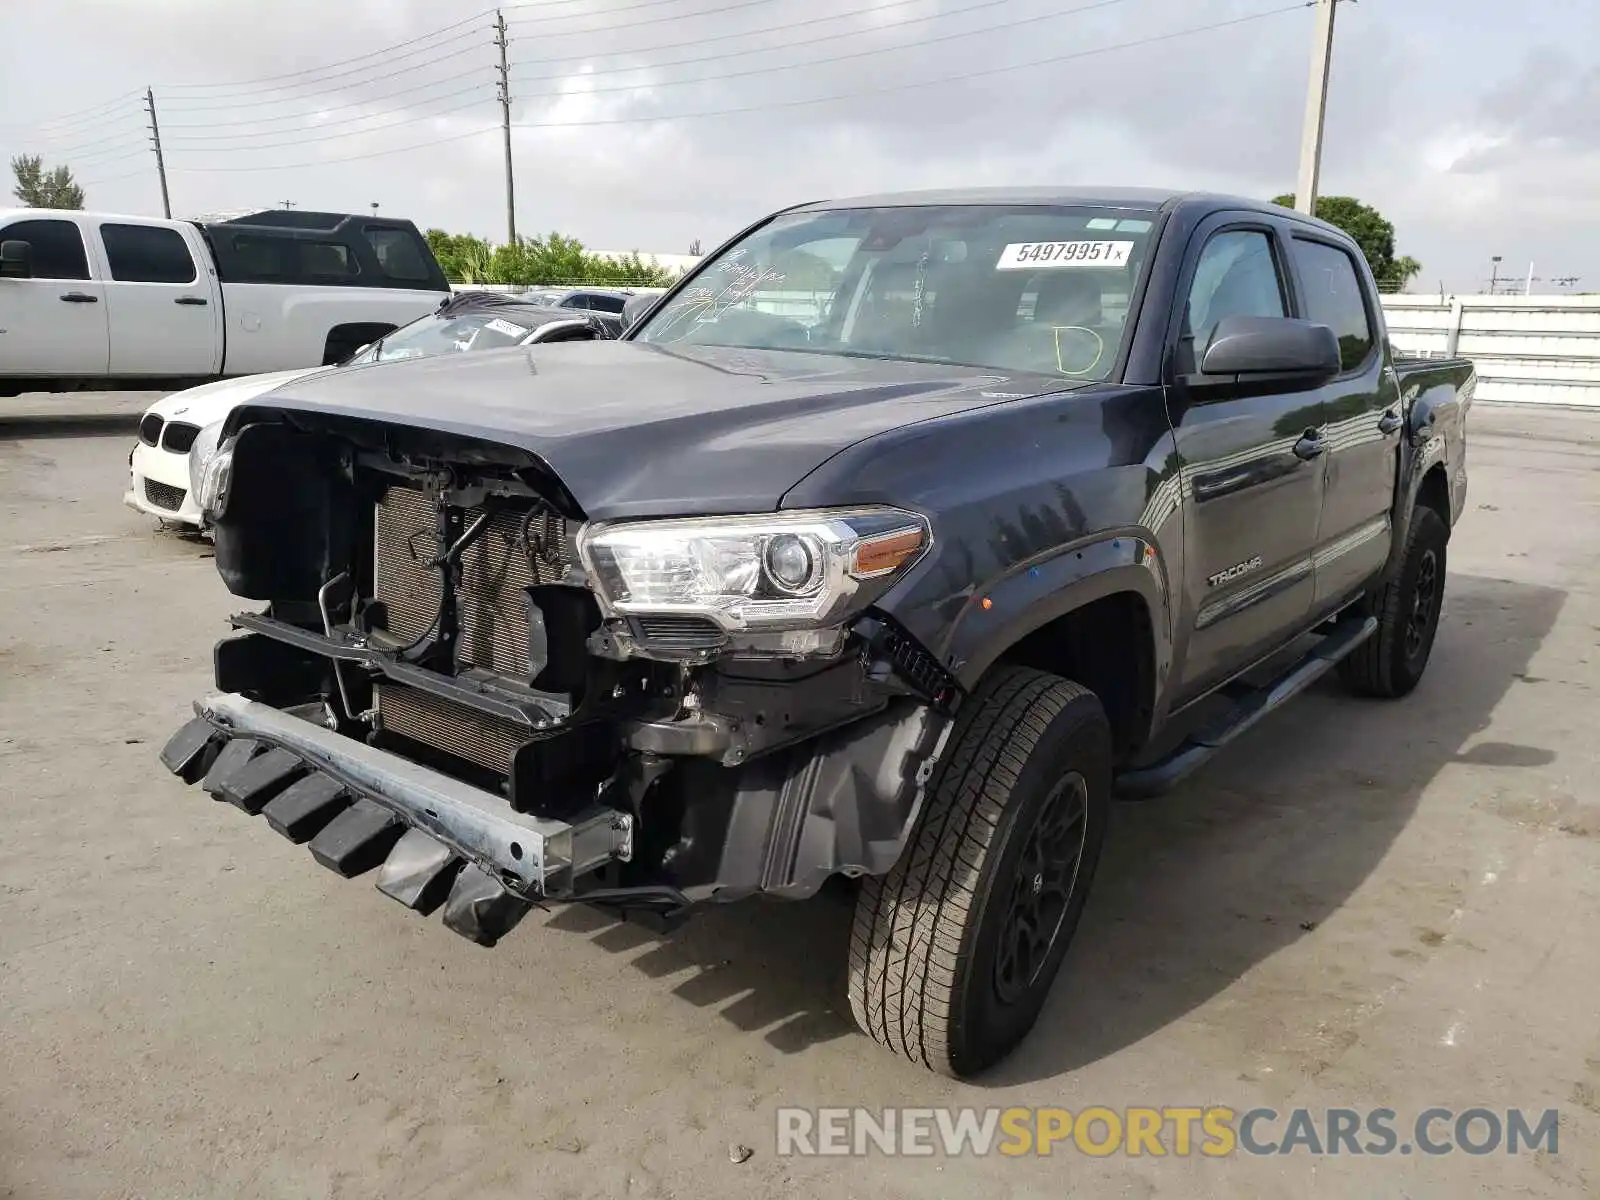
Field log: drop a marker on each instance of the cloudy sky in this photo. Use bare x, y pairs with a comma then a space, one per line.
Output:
1474, 125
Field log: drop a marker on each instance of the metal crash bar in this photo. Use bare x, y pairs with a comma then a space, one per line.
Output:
532, 856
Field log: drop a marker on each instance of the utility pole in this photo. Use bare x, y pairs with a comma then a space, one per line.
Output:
287, 204
155, 139
1305, 195
1494, 274
503, 92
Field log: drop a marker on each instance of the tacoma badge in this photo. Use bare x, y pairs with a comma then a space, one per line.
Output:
1234, 571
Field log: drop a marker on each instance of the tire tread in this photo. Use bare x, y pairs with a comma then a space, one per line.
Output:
905, 957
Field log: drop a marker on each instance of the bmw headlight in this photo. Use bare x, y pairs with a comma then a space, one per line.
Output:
200, 452
795, 570
211, 485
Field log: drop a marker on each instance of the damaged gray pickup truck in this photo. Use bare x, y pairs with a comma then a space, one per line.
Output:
885, 547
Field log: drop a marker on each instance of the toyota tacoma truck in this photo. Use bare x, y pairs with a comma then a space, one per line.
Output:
108, 302
887, 546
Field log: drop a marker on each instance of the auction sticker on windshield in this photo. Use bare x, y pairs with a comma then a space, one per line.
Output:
499, 325
1028, 256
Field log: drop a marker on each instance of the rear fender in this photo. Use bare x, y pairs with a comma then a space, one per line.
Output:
1435, 405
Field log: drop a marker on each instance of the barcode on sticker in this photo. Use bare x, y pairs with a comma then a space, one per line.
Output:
500, 325
1027, 256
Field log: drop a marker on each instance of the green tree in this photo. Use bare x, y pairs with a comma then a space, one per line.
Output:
462, 257
551, 260
38, 188
1372, 231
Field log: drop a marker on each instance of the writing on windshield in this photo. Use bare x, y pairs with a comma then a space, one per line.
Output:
1020, 288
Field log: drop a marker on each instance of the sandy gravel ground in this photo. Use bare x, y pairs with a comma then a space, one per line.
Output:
1360, 904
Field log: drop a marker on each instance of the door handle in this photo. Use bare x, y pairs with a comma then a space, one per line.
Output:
1389, 422
190, 300
1310, 445
79, 298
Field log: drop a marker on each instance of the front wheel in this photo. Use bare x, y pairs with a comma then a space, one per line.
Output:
1390, 663
953, 952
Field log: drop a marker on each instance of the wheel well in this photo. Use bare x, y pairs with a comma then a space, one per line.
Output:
1108, 647
344, 339
575, 334
1435, 493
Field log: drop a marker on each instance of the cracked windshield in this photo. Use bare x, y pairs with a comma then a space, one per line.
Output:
1043, 290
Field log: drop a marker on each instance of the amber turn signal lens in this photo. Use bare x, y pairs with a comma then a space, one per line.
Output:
885, 553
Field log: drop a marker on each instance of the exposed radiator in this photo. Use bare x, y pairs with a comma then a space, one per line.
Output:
491, 604
477, 737
491, 607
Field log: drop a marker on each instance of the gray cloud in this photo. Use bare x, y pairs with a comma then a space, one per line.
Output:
1438, 110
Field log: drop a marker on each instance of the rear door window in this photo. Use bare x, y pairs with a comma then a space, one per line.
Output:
1334, 297
147, 254
57, 246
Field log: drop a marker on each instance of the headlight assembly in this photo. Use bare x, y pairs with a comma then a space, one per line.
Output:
205, 445
794, 570
211, 489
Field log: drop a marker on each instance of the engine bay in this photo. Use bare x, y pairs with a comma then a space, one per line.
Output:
426, 596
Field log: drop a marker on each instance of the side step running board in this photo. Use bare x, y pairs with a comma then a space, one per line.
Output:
1162, 775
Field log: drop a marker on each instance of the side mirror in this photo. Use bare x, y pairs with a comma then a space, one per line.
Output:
634, 308
1272, 345
16, 260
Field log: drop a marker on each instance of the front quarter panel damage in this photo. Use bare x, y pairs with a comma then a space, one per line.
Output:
843, 803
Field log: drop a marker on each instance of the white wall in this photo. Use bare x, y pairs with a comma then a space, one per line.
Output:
1528, 349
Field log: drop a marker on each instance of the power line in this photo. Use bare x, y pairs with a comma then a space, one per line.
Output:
343, 87
724, 37
619, 8
704, 12
89, 183
900, 87
80, 117
348, 158
310, 126
873, 52
100, 158
835, 58
233, 83
325, 109
276, 82
321, 112
74, 149
329, 137
783, 104
133, 100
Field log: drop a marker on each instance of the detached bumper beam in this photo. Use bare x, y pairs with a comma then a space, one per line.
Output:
361, 807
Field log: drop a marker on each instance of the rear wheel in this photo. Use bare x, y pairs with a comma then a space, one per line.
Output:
1391, 662
953, 952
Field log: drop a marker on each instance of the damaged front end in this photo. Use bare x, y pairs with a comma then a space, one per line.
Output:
459, 681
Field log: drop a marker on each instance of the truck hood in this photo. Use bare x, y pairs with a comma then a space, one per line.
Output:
212, 401
643, 430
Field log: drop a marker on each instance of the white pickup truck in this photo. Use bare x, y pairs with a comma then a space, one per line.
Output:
101, 301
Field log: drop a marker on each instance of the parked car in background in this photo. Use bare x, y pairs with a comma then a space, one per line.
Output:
102, 301
178, 432
594, 299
